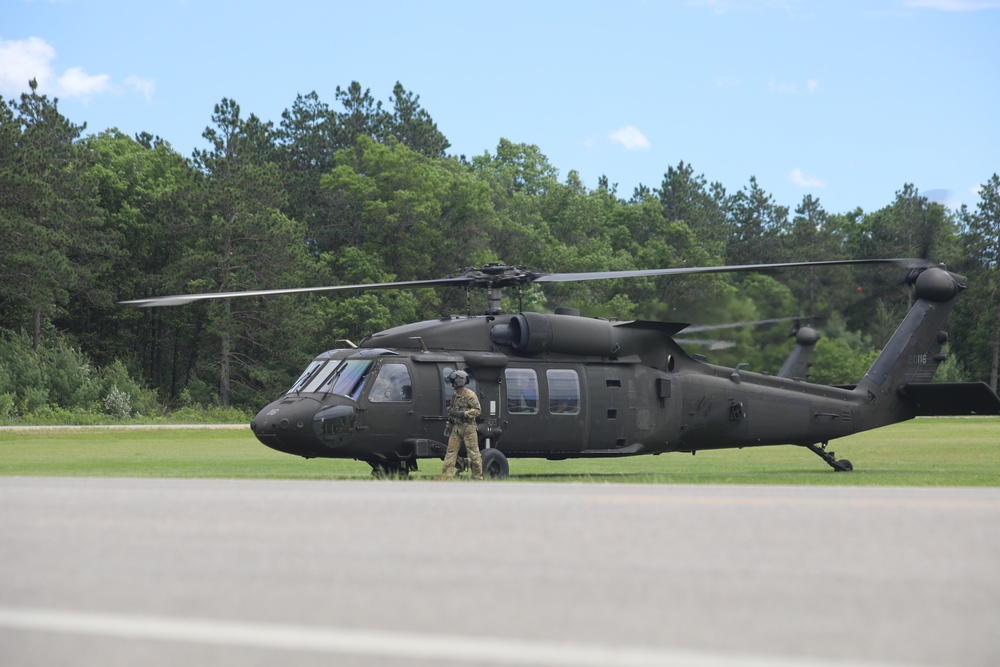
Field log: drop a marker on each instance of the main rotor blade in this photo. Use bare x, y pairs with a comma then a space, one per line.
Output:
689, 270
748, 323
711, 343
181, 299
492, 276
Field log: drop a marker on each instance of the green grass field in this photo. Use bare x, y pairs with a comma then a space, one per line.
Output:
922, 452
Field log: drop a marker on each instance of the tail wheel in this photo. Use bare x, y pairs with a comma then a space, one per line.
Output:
838, 465
495, 464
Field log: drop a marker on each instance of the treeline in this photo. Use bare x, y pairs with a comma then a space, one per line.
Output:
362, 192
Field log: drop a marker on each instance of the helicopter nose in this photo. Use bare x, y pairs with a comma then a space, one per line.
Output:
286, 425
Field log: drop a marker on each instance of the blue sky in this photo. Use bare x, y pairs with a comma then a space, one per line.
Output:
845, 100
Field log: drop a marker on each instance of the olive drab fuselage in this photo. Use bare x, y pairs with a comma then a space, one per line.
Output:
561, 386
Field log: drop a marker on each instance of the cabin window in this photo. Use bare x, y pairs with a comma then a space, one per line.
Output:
564, 391
392, 385
348, 378
522, 391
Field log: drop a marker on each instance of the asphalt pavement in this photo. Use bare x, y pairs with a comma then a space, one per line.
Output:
242, 572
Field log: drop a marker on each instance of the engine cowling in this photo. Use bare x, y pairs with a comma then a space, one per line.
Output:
536, 333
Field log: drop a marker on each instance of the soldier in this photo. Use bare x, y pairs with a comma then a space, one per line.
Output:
462, 414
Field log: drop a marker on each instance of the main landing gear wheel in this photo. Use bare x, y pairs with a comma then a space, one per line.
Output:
495, 464
838, 465
392, 470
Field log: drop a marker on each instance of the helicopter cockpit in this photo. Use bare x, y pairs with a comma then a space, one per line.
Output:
343, 373
346, 373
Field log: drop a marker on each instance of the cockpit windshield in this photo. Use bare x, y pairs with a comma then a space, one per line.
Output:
339, 371
307, 375
347, 379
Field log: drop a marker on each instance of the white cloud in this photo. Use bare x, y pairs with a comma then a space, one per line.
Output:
943, 196
726, 82
953, 5
77, 83
796, 176
144, 86
630, 137
717, 6
781, 87
22, 60
789, 88
722, 7
32, 58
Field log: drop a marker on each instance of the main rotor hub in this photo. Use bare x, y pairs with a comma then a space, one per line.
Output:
493, 278
498, 275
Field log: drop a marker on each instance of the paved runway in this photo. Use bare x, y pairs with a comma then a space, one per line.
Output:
165, 572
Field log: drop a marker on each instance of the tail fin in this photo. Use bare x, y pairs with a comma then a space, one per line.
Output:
913, 353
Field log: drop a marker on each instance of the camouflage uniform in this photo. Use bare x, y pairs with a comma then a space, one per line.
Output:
463, 430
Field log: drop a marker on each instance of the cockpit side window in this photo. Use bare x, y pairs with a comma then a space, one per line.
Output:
393, 385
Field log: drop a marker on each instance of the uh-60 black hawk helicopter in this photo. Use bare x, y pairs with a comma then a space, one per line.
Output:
561, 385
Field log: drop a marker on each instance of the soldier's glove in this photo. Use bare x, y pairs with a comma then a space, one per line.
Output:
458, 414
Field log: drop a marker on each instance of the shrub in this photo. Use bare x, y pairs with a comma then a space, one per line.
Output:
58, 378
6, 404
68, 375
142, 401
118, 404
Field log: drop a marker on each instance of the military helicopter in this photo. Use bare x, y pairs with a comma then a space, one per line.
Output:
561, 385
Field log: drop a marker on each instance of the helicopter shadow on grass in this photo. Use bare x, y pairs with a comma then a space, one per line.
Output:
668, 478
